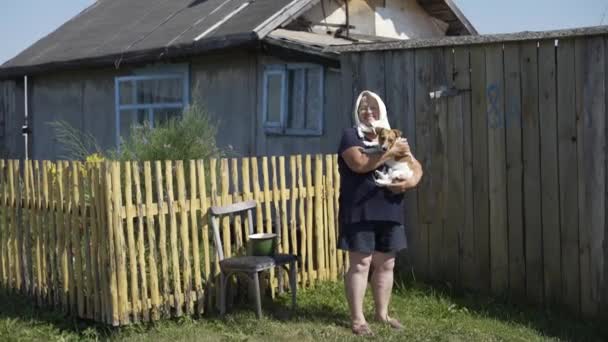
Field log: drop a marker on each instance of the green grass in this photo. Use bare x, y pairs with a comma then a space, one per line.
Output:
429, 314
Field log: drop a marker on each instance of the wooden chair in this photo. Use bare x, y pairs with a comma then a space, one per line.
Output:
249, 265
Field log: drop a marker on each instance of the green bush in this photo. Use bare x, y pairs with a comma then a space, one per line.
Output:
189, 136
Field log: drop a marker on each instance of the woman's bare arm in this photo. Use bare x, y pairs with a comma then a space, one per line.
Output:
361, 162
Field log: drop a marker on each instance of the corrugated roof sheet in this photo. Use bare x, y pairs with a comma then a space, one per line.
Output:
111, 27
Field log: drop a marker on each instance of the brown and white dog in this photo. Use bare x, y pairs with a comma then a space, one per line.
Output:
398, 168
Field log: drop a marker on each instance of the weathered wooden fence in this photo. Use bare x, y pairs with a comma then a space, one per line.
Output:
513, 200
119, 242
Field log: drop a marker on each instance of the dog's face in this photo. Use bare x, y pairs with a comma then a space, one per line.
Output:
387, 137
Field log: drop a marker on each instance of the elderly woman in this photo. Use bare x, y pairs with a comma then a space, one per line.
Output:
371, 218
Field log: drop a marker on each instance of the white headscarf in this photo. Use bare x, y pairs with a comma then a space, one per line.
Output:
381, 122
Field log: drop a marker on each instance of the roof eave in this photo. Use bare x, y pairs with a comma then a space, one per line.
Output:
135, 57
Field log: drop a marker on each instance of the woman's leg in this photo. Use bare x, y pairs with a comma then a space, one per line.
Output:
356, 283
382, 282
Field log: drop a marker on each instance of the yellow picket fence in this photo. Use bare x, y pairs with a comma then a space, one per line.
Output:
121, 242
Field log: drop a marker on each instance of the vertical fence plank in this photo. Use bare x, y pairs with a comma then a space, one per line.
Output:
342, 261
293, 201
283, 197
8, 224
37, 238
497, 169
331, 217
257, 196
16, 222
531, 158
319, 231
547, 98
276, 217
25, 230
204, 204
246, 190
102, 236
45, 226
276, 206
69, 228
155, 297
423, 146
186, 270
120, 246
36, 235
94, 263
141, 257
54, 205
568, 176
175, 273
40, 266
236, 197
215, 201
438, 235
454, 176
479, 142
517, 265
10, 217
62, 222
4, 225
86, 212
303, 226
313, 274
130, 213
113, 304
590, 108
162, 237
267, 197
81, 231
462, 106
195, 204
225, 199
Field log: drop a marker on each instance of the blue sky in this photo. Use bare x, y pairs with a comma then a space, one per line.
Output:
23, 22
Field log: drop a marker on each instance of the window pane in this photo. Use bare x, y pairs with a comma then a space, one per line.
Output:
160, 91
314, 98
297, 83
128, 118
125, 91
163, 115
273, 108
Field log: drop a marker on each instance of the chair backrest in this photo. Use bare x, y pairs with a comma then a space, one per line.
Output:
216, 212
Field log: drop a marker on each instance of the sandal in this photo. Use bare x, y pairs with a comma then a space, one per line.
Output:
392, 322
362, 330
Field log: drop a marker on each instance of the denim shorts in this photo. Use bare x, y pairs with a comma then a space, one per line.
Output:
372, 236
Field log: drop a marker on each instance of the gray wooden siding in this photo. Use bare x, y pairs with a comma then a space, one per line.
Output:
11, 119
83, 99
226, 86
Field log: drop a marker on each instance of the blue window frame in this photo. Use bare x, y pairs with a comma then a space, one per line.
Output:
153, 95
293, 99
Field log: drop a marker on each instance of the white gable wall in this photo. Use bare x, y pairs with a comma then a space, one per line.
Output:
403, 19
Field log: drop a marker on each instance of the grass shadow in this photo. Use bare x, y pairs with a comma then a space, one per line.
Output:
19, 309
553, 322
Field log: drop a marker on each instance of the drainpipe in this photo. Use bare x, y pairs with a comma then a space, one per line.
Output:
25, 129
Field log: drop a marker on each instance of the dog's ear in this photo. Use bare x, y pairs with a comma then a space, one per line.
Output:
398, 133
378, 130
